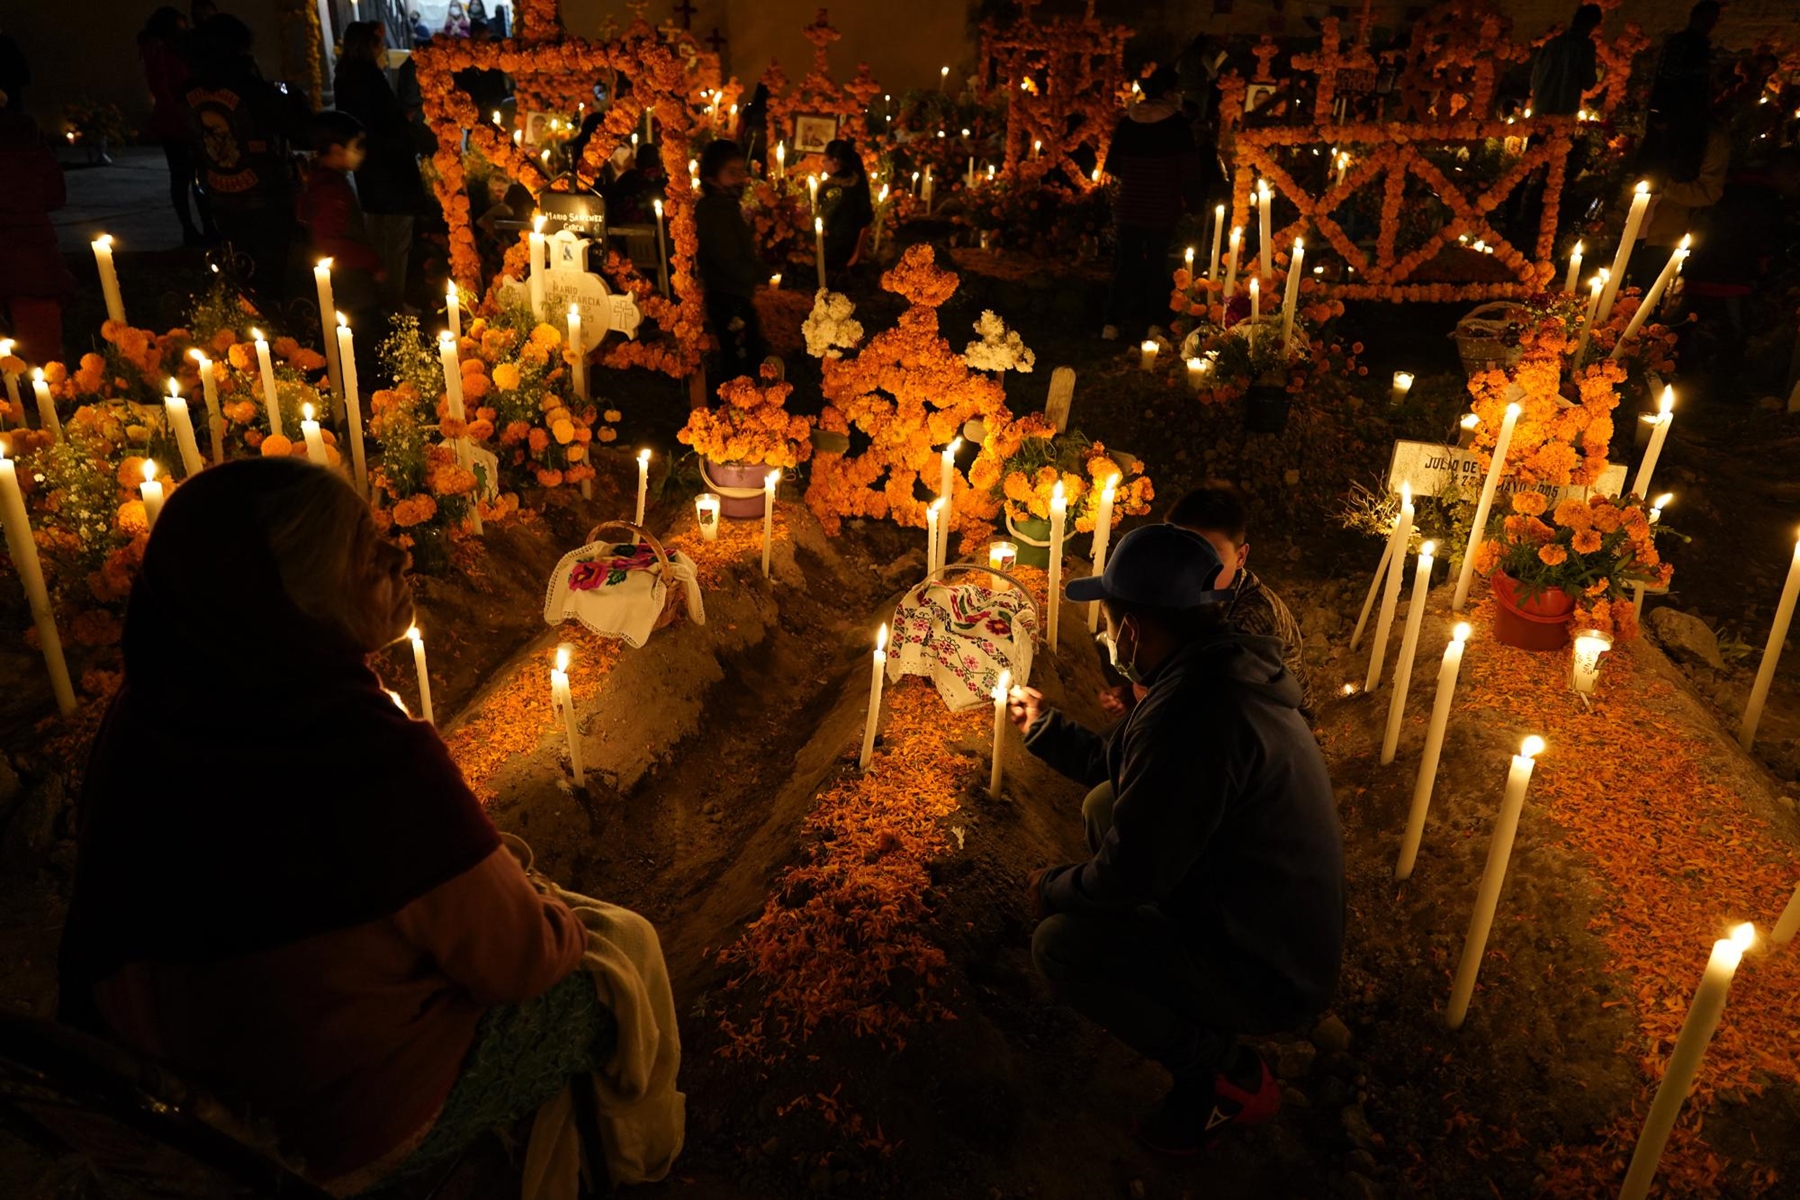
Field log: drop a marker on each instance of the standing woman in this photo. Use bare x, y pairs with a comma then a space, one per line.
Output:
388, 181
162, 45
845, 204
456, 20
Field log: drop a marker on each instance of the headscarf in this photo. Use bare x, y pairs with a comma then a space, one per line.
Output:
252, 784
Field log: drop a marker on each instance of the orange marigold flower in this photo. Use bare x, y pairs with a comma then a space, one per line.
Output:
1575, 514
1585, 541
1552, 555
506, 376
276, 446
538, 440
1530, 503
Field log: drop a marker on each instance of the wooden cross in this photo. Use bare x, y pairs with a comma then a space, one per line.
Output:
1266, 50
685, 10
716, 40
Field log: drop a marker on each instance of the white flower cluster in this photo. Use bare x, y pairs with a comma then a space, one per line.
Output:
1000, 348
829, 329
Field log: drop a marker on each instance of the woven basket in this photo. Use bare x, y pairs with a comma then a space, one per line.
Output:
672, 594
1478, 335
965, 565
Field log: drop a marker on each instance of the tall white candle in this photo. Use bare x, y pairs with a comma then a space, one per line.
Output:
12, 385
1574, 269
1102, 538
418, 649
1381, 570
359, 462
1255, 309
930, 189
1266, 244
152, 492
577, 353
662, 246
1659, 433
315, 442
109, 278
1001, 691
539, 252
453, 309
563, 699
182, 426
22, 549
1478, 531
819, 248
1684, 1061
1596, 285
453, 405
1409, 645
947, 493
643, 491
267, 366
1765, 673
873, 717
1212, 265
1390, 596
1290, 299
1231, 263
46, 405
1487, 897
812, 186
1789, 923
1663, 279
327, 332
1434, 748
1059, 508
932, 561
215, 417
781, 160
1640, 200
770, 482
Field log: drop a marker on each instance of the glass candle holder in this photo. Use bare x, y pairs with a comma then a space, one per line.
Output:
1403, 381
1584, 660
706, 512
1002, 556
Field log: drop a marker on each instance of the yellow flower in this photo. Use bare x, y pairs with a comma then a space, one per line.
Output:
506, 376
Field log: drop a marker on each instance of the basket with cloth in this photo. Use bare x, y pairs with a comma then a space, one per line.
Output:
624, 590
962, 635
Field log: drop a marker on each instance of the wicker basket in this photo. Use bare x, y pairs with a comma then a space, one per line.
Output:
1478, 335
965, 565
672, 594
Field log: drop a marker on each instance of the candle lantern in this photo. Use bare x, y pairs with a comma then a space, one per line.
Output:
706, 515
1002, 556
1403, 381
1147, 354
1584, 660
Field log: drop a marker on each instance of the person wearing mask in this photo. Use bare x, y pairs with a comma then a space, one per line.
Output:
421, 32
35, 283
730, 268
388, 182
162, 46
456, 20
477, 13
845, 205
1213, 905
1565, 66
631, 198
1157, 168
354, 956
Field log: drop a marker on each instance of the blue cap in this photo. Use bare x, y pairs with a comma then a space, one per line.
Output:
1160, 566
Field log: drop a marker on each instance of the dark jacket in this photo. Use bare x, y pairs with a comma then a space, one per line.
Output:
848, 210
1158, 169
1563, 70
31, 188
388, 181
1223, 819
244, 128
166, 73
1738, 241
729, 264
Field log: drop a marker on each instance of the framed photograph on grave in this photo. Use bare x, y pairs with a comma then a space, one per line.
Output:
537, 128
1255, 94
813, 132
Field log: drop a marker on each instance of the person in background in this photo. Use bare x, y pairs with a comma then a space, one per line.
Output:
333, 216
1565, 66
388, 182
200, 12
1681, 98
730, 269
421, 32
1157, 169
35, 283
1738, 246
355, 958
500, 22
456, 20
15, 73
412, 102
630, 199
162, 46
1679, 204
1213, 905
845, 205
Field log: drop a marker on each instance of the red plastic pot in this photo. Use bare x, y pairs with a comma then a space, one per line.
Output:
1538, 623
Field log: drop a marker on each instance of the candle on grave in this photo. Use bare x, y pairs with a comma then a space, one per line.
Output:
1002, 555
359, 462
873, 717
1487, 897
1231, 263
1059, 508
1434, 748
453, 309
453, 408
1478, 531
662, 246
1585, 650
643, 492
215, 418
418, 649
971, 177
1403, 381
943, 77
1255, 309
947, 483
1002, 690
1103, 521
812, 191
577, 353
1765, 673
930, 189
563, 700
1663, 279
1037, 147
1696, 1034
770, 482
1409, 645
1596, 285
1465, 436
315, 442
1290, 299
1147, 353
267, 365
1640, 201
109, 278
780, 160
12, 385
183, 427
46, 405
1381, 570
1789, 923
540, 251
1212, 266
22, 549
1659, 433
1187, 261
819, 248
327, 309
932, 561
152, 492
706, 515
1574, 269
1266, 246
1637, 589
1196, 373
1390, 596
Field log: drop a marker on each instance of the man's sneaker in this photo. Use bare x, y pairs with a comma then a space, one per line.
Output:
1109, 333
1190, 1118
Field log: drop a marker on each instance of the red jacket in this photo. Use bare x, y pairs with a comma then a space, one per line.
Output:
333, 216
31, 188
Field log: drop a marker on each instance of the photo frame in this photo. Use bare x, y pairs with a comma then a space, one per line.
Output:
1255, 94
813, 132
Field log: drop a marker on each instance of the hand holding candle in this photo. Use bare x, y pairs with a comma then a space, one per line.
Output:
1487, 898
873, 717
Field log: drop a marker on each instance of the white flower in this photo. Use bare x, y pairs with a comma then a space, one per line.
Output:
829, 329
1000, 348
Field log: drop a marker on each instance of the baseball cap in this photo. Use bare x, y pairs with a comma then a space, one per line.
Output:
1161, 566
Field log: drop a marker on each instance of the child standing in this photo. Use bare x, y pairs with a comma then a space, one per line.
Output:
333, 215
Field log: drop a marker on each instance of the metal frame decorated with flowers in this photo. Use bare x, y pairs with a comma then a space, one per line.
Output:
1050, 72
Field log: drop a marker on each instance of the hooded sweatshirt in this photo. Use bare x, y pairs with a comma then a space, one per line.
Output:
1153, 157
1223, 819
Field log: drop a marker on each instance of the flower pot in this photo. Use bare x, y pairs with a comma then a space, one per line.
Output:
1266, 408
1036, 529
747, 480
1538, 623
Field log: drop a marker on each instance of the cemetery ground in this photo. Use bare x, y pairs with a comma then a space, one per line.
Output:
722, 769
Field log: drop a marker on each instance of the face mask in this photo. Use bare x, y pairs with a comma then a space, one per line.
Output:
1127, 670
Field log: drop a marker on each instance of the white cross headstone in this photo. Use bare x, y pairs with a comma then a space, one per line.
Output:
568, 281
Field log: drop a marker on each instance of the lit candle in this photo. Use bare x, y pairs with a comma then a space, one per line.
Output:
577, 353
930, 189
453, 309
1188, 261
1102, 538
183, 427
770, 481
327, 308
540, 251
1584, 659
1001, 691
947, 490
152, 492
1684, 1061
315, 444
1390, 596
268, 382
1765, 673
1789, 924
819, 248
418, 647
1487, 897
22, 549
1640, 201
1644, 309
563, 700
1574, 269
1266, 247
943, 77
1465, 436
1659, 433
46, 405
1059, 508
643, 492
1196, 373
1478, 530
1231, 263
873, 717
1147, 353
1002, 555
1403, 381
109, 279
453, 406
706, 515
780, 160
215, 418
662, 246
12, 384
1255, 309
1434, 747
359, 463
1409, 645
812, 189
1212, 266
933, 549
1291, 298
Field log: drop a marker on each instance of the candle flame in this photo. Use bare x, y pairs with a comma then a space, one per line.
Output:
324, 264
104, 241
1349, 689
562, 658
1406, 493
1461, 632
770, 480
1687, 239
1004, 687
1667, 403
1112, 485
1513, 410
935, 506
1596, 283
537, 223
1643, 187
657, 205
1577, 253
412, 632
37, 375
575, 311
306, 412
445, 341
1056, 493
643, 458
818, 224
1531, 747
1428, 549
881, 639
174, 388
1744, 936
1237, 232
149, 470
1298, 246
255, 334
1196, 364
1662, 501
1471, 420
1255, 285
